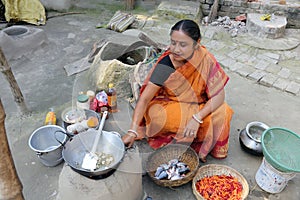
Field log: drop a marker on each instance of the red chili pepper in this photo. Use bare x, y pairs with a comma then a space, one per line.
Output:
220, 187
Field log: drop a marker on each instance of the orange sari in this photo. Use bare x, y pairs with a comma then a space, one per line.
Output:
183, 94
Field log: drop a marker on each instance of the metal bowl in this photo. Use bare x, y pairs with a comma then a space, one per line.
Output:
72, 115
84, 114
250, 137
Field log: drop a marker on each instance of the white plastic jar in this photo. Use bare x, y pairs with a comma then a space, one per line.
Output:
83, 102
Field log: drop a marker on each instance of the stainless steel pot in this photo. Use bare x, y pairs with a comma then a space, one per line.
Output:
250, 137
76, 148
47, 141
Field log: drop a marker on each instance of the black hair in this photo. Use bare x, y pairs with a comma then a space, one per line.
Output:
189, 27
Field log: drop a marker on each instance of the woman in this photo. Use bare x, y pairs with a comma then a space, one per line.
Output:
182, 99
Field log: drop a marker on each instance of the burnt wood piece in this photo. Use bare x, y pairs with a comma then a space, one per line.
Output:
11, 187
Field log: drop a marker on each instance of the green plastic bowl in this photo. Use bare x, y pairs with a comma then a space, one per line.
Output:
281, 149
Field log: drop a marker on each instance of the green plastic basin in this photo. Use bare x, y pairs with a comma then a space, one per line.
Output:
281, 149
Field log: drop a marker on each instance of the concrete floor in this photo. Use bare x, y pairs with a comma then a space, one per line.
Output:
44, 84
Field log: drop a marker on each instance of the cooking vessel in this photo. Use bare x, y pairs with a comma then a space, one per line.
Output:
109, 143
84, 114
250, 137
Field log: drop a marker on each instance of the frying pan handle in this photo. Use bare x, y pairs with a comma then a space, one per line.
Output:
116, 133
132, 148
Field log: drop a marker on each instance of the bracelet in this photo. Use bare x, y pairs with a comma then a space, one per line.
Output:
131, 134
133, 131
198, 120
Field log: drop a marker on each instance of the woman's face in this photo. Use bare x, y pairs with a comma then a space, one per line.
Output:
182, 46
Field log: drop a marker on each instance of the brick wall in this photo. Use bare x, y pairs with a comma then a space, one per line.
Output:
233, 8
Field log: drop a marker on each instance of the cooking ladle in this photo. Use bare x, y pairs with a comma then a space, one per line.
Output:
90, 159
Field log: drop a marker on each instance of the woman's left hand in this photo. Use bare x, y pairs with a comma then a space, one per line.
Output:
191, 129
128, 140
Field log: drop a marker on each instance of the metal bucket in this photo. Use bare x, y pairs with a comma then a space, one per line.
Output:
270, 179
47, 141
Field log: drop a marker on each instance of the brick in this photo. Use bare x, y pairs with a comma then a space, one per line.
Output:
274, 56
267, 58
220, 57
244, 57
273, 68
237, 3
253, 61
295, 76
290, 55
209, 1
227, 2
245, 70
227, 62
284, 73
206, 7
281, 84
234, 54
293, 88
262, 65
235, 66
219, 45
268, 80
257, 75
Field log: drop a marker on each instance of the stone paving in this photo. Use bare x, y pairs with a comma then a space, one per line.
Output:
271, 68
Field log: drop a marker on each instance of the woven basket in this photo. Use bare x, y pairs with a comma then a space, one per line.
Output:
173, 151
213, 169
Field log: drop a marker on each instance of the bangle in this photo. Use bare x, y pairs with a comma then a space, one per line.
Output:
131, 134
133, 131
198, 120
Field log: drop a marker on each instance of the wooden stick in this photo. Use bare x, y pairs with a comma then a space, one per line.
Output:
8, 74
63, 14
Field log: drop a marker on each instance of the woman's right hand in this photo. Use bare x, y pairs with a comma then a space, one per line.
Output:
128, 139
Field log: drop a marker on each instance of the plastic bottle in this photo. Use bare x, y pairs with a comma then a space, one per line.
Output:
90, 94
102, 101
112, 98
50, 117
